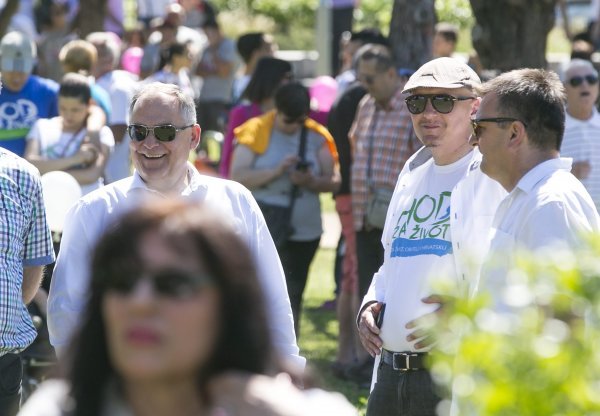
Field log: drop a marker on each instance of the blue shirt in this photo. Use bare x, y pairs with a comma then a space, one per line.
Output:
25, 240
19, 110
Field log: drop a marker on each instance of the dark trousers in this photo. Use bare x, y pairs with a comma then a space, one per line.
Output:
11, 374
296, 257
369, 255
402, 393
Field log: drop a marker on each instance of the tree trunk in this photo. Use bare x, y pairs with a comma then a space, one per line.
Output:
511, 34
90, 17
411, 32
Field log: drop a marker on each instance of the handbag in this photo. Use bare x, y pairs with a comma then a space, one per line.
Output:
278, 217
377, 206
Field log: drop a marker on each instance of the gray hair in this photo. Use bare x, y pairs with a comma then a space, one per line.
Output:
106, 45
579, 63
185, 103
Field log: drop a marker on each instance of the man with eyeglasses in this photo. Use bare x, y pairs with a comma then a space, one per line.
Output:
518, 129
382, 139
163, 131
436, 226
581, 140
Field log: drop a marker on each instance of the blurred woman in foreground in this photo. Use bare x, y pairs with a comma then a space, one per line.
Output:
175, 326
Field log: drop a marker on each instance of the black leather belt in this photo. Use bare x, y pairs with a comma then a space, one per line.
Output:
404, 361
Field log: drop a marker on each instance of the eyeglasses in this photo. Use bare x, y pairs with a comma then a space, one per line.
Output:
169, 283
442, 103
477, 128
578, 80
164, 132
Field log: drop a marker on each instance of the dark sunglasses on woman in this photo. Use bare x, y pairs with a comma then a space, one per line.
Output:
169, 282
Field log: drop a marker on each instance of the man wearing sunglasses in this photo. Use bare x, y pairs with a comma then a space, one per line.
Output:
163, 131
582, 125
382, 139
518, 129
436, 226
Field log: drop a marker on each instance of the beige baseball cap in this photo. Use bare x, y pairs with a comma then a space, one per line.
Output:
443, 73
17, 53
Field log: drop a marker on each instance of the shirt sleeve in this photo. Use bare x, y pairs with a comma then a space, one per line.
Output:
34, 132
271, 274
39, 250
565, 229
69, 286
106, 137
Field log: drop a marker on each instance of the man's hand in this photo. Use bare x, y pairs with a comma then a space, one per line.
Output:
424, 325
368, 331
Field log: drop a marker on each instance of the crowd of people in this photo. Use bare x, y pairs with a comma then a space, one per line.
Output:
178, 290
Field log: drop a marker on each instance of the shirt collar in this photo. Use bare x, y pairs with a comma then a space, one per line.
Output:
195, 183
541, 171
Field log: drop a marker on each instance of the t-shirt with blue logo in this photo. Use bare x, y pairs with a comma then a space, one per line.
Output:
20, 110
419, 248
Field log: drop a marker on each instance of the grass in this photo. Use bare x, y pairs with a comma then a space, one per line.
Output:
319, 329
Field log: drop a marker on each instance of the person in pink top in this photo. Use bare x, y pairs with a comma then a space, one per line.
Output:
257, 99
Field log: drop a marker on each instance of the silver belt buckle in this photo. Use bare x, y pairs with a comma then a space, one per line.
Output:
406, 357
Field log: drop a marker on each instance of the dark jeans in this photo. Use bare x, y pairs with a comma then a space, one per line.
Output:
296, 257
369, 255
11, 374
402, 393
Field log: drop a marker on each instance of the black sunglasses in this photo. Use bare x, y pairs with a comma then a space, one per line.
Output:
171, 283
294, 120
442, 103
477, 128
164, 132
577, 81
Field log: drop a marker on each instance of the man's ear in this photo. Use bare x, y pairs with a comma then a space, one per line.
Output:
518, 134
195, 139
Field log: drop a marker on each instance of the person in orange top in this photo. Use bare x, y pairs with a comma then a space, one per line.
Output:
267, 160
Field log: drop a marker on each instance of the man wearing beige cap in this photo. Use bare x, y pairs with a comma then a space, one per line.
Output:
25, 97
436, 226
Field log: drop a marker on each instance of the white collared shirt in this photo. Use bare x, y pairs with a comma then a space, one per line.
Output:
548, 208
91, 215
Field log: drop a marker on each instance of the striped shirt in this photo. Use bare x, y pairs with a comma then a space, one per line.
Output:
581, 142
24, 241
390, 134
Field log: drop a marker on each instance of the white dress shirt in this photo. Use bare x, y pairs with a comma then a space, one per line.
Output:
91, 215
548, 208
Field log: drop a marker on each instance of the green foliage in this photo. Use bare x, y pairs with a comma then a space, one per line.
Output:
292, 22
455, 11
373, 13
541, 358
